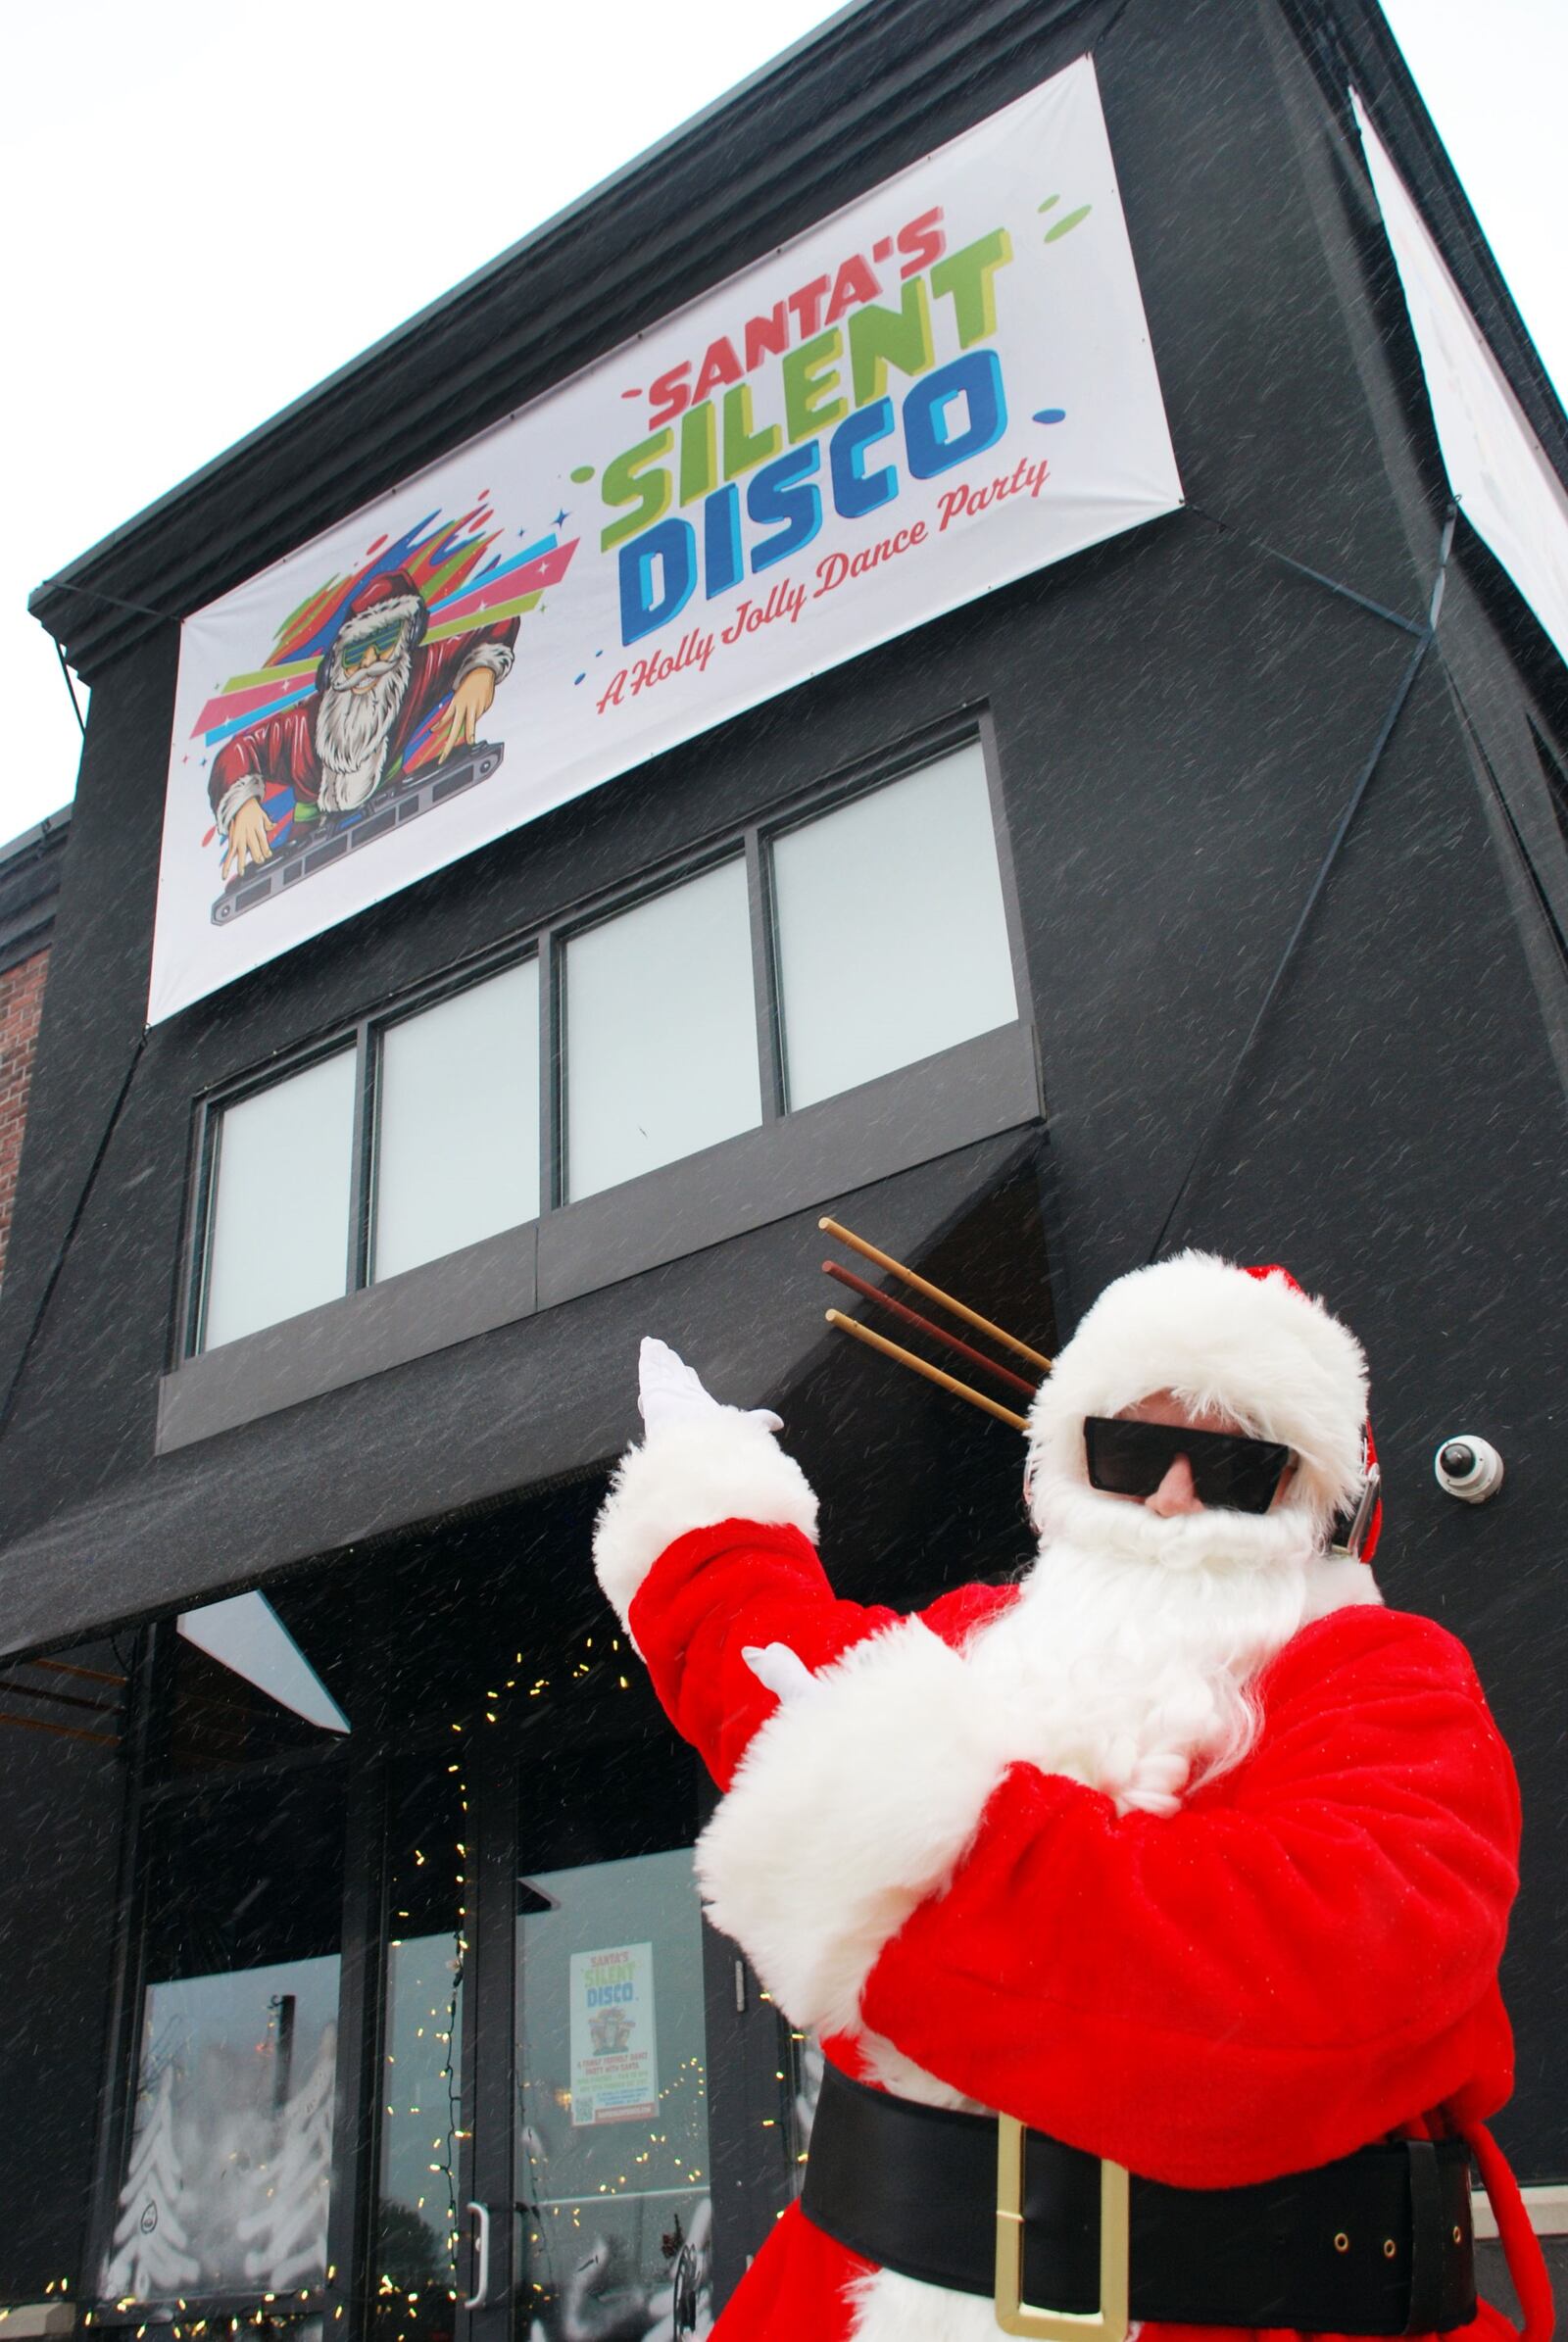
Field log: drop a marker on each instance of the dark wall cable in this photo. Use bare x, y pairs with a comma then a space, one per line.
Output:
1341, 830
57, 1266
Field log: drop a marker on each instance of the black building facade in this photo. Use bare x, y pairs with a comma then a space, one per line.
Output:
1276, 789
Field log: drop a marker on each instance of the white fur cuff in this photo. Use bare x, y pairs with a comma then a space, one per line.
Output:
238, 793
720, 1466
852, 1805
497, 657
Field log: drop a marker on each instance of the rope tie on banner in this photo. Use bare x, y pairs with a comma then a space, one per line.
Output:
143, 609
1425, 637
64, 585
76, 703
1332, 585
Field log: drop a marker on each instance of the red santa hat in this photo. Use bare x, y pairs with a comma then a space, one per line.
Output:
1247, 1342
379, 602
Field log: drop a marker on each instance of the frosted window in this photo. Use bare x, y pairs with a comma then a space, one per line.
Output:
227, 2183
457, 1151
280, 1208
660, 1032
891, 939
229, 2171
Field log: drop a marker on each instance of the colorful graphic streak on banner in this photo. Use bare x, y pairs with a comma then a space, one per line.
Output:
944, 387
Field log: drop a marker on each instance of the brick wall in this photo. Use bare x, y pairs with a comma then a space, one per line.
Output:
20, 1005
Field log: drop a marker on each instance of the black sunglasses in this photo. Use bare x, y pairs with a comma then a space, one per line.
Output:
1229, 1472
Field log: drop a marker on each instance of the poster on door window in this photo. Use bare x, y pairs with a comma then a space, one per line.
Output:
615, 2049
946, 385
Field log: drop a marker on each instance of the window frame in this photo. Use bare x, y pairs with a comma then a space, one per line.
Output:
363, 1035
367, 1105
789, 1160
832, 798
562, 935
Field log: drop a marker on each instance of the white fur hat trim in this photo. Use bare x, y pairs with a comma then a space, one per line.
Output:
397, 610
1258, 1348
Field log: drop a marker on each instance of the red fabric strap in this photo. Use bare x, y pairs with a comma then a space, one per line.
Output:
1521, 2246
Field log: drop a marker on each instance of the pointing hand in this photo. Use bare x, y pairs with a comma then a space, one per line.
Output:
669, 1393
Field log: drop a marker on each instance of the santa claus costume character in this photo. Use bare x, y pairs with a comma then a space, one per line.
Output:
378, 682
1184, 1851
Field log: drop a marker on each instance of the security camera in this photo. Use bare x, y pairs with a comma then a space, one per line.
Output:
1468, 1468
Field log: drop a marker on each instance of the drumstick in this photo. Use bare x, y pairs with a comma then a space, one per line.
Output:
933, 1292
932, 1374
912, 1317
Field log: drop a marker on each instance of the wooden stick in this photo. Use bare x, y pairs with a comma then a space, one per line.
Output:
61, 1667
59, 1699
932, 1374
912, 1317
933, 1292
64, 1732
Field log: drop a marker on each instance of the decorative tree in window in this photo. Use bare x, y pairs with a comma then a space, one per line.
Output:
150, 2257
286, 2238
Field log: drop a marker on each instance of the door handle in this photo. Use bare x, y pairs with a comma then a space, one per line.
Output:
477, 2299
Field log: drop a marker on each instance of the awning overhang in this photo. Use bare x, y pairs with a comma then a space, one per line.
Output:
550, 1398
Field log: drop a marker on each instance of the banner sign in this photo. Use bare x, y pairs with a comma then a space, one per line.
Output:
614, 2052
942, 387
1502, 478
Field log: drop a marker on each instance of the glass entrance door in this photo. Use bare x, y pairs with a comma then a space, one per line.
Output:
586, 2121
612, 2154
543, 2162
611, 2170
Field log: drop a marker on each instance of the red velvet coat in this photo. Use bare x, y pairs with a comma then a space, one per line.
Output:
1300, 1961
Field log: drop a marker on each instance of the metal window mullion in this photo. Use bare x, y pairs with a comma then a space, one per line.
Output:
764, 978
490, 2024
551, 1092
361, 1160
193, 1325
361, 1992
1002, 839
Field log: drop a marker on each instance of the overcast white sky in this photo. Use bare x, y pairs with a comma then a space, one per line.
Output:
203, 223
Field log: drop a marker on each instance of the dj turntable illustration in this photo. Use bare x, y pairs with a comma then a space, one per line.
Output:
328, 839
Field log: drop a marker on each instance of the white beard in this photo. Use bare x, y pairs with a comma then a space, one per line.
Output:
1126, 1661
1135, 1637
1124, 1664
352, 727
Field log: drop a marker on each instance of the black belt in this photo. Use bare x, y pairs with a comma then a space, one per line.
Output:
1376, 2243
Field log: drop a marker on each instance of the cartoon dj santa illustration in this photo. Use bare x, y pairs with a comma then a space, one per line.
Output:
378, 683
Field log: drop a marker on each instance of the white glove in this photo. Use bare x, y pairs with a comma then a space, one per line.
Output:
669, 1393
781, 1671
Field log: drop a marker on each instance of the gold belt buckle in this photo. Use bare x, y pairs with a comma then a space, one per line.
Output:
1016, 2315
